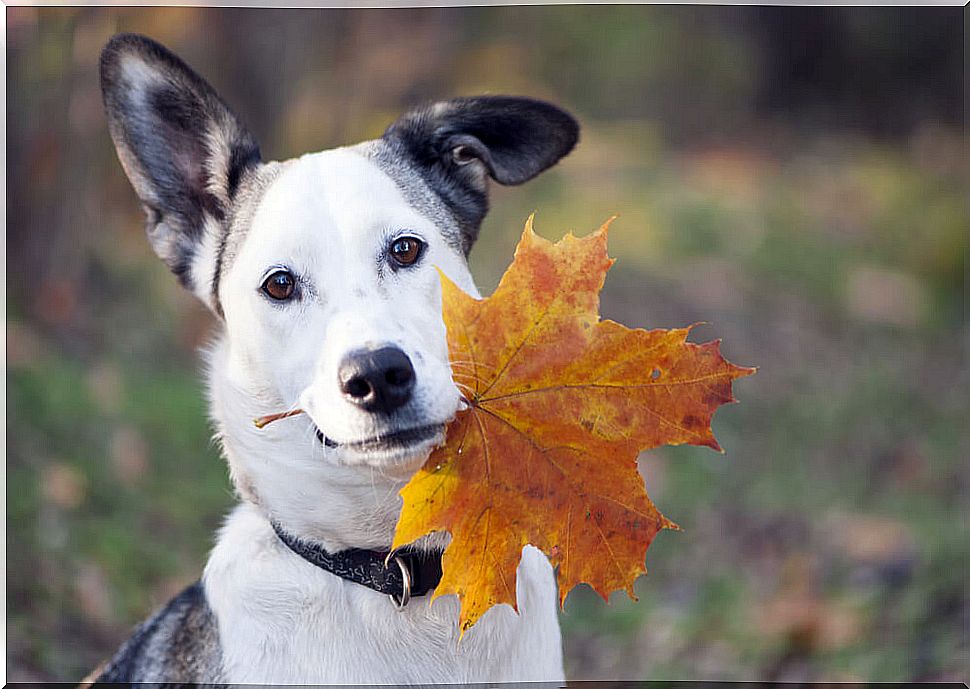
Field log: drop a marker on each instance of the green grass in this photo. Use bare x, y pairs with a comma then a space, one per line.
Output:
142, 535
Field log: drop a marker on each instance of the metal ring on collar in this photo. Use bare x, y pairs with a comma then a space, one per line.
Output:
405, 585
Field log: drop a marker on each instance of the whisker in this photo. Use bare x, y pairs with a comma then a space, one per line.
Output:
466, 372
469, 393
467, 379
311, 434
467, 367
467, 364
390, 494
373, 488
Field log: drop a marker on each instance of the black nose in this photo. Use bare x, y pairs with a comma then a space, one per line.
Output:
377, 380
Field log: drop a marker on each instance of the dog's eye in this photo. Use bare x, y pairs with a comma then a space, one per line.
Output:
406, 250
280, 285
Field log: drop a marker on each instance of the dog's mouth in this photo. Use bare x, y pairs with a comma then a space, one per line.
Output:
326, 440
395, 441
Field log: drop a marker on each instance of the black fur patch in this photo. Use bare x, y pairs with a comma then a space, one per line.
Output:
241, 159
454, 144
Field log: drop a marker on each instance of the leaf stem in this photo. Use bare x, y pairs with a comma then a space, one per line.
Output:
270, 418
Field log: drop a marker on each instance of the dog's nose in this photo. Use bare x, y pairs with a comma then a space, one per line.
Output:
377, 380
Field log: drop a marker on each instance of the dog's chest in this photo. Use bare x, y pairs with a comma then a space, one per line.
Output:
283, 621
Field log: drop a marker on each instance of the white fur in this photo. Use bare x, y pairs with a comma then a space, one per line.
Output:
139, 76
283, 621
328, 217
204, 262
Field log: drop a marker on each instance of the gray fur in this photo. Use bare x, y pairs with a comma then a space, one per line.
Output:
415, 190
179, 643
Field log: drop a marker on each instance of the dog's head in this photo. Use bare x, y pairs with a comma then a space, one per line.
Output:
322, 268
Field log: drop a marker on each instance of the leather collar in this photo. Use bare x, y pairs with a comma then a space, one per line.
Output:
367, 567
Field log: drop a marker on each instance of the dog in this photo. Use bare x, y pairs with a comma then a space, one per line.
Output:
321, 274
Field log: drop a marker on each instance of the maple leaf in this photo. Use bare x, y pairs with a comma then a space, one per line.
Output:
559, 406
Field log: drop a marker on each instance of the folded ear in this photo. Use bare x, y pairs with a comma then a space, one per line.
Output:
458, 144
183, 150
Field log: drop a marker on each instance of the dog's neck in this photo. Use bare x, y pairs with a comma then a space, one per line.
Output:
335, 507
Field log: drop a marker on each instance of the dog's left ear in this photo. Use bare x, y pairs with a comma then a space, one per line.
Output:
183, 150
458, 144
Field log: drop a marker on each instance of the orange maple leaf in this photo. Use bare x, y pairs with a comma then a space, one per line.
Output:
559, 405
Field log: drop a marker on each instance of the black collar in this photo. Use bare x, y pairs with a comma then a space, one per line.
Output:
367, 568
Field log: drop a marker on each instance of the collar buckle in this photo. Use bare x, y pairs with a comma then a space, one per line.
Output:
401, 601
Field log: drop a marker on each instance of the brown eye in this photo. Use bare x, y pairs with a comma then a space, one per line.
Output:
406, 250
280, 285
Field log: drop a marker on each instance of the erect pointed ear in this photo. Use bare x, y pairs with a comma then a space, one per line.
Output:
458, 144
183, 150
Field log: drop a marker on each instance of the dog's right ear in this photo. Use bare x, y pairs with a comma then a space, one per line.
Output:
459, 144
183, 150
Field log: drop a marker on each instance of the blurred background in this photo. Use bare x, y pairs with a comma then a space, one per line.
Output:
793, 177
